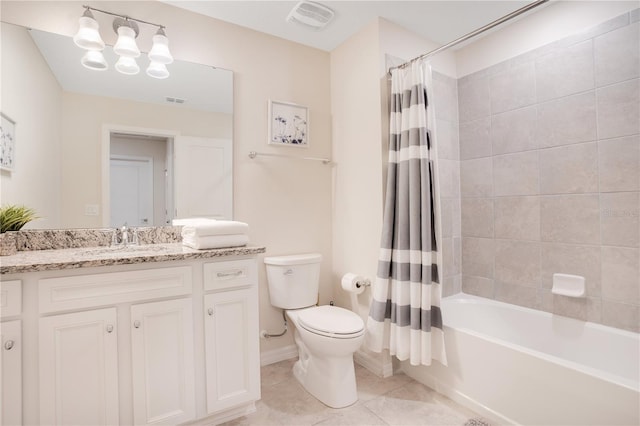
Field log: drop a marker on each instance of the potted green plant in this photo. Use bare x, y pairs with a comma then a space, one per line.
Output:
13, 218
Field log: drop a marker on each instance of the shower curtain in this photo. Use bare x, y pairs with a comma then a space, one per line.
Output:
405, 316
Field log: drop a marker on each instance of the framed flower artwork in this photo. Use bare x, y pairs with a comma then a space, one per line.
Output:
288, 124
7, 143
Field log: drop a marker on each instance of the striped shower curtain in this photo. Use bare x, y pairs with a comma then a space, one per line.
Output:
404, 316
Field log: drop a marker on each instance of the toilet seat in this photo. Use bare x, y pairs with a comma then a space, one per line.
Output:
331, 321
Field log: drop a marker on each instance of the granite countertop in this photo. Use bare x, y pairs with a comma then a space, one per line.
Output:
86, 257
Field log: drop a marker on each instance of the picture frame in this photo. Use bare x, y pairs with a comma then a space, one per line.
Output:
7, 143
288, 124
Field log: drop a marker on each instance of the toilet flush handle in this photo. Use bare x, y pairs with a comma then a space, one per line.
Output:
288, 272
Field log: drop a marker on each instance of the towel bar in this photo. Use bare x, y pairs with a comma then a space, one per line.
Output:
254, 154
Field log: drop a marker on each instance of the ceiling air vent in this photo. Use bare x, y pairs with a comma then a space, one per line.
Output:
174, 100
311, 15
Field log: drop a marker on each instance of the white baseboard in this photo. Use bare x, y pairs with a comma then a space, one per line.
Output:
277, 355
378, 364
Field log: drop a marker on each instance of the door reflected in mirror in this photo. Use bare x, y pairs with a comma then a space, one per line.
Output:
139, 180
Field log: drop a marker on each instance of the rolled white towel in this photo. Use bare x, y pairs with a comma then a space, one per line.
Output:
215, 241
218, 227
192, 221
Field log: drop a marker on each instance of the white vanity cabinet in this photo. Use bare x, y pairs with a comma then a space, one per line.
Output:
172, 342
163, 362
79, 368
10, 353
11, 374
79, 351
231, 328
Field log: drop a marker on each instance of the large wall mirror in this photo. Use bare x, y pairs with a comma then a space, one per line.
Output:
99, 148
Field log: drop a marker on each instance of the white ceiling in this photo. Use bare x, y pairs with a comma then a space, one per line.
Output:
440, 21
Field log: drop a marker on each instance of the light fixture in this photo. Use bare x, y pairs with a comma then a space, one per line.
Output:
160, 50
94, 60
88, 37
127, 32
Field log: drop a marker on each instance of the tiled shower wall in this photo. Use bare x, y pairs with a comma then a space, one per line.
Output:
445, 101
549, 155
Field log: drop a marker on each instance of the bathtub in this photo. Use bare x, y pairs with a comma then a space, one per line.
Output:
515, 365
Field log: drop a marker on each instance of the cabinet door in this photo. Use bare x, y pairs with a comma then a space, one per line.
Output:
10, 374
79, 368
231, 348
163, 362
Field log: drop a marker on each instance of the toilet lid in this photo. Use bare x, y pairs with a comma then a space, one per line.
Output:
331, 320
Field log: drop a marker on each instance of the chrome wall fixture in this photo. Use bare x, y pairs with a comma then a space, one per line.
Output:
88, 38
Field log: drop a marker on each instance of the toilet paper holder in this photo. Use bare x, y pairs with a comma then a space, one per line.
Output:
354, 283
364, 283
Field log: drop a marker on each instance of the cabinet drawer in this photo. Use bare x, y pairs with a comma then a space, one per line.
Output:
232, 274
84, 291
10, 298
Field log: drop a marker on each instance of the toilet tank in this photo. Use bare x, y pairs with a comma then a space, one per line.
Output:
293, 280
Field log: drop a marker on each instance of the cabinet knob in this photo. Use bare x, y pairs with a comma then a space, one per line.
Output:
8, 345
109, 328
136, 324
210, 312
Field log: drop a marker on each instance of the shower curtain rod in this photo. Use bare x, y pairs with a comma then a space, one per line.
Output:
474, 33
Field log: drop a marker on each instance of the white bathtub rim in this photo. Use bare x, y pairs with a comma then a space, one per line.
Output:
609, 377
471, 298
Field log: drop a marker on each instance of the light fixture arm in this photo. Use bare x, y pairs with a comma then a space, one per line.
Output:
124, 17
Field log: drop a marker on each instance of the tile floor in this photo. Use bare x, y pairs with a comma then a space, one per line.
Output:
397, 400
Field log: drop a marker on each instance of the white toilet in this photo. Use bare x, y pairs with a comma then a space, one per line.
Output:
326, 336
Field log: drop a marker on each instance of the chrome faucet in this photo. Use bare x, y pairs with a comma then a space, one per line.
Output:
125, 238
124, 235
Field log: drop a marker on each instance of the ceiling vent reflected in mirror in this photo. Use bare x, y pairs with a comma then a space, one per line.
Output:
88, 38
311, 15
174, 100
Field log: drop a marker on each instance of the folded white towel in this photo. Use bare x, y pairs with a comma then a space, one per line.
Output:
218, 227
192, 221
215, 241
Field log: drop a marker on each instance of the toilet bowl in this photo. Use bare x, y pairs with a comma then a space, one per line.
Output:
326, 336
325, 348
